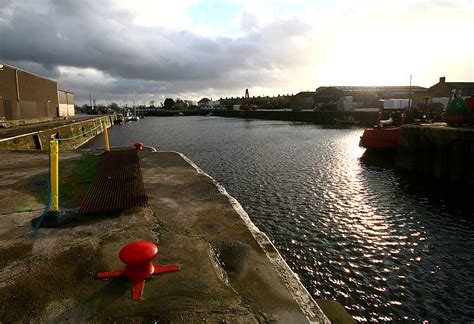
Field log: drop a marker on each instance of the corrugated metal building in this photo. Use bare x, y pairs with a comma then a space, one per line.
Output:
66, 103
347, 98
364, 97
24, 95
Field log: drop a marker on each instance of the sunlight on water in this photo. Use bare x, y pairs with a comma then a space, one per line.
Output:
363, 235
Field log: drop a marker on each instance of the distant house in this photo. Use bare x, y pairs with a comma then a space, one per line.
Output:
215, 104
190, 103
180, 104
442, 91
204, 103
445, 89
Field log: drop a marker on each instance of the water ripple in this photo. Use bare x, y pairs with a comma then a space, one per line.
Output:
386, 247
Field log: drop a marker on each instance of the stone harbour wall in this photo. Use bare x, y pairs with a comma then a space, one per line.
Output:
445, 153
81, 132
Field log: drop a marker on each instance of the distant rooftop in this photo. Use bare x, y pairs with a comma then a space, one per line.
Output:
373, 88
460, 85
381, 91
454, 85
443, 88
2, 65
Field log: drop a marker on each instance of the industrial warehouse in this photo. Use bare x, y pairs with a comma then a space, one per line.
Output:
351, 98
24, 95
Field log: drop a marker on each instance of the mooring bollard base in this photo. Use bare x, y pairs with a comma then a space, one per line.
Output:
55, 218
138, 257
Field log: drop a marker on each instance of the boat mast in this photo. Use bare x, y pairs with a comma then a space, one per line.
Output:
134, 107
409, 96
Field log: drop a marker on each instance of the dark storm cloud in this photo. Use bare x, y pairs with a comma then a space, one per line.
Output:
42, 35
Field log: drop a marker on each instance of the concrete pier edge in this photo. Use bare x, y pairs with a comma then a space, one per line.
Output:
310, 309
301, 295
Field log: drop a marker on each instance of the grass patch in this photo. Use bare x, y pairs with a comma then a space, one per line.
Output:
75, 178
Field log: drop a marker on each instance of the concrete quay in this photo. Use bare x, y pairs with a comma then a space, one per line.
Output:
230, 271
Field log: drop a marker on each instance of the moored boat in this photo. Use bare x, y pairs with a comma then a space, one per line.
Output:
380, 137
384, 135
119, 120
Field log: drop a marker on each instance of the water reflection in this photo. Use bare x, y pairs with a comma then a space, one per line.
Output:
387, 249
383, 159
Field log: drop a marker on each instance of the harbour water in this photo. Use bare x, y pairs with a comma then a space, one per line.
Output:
387, 246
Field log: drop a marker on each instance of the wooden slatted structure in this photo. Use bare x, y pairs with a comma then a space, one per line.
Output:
118, 184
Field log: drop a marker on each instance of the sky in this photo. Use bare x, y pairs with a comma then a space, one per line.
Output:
191, 49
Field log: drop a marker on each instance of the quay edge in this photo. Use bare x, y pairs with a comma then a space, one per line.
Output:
443, 153
316, 311
225, 273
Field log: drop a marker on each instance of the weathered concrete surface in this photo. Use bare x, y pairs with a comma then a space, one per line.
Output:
226, 276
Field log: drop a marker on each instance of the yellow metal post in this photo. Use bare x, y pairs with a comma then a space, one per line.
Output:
54, 170
106, 136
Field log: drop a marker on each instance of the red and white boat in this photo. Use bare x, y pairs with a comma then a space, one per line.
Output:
380, 137
384, 135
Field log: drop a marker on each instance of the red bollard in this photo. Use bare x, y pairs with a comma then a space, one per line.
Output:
138, 256
138, 146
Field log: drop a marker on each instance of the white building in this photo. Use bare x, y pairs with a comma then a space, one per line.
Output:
66, 103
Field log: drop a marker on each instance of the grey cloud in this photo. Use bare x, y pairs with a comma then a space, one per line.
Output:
94, 34
46, 70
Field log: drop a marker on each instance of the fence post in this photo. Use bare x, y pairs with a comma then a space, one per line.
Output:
106, 137
54, 167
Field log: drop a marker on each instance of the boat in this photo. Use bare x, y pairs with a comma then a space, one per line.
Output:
384, 135
127, 116
134, 117
4, 123
119, 120
347, 120
380, 137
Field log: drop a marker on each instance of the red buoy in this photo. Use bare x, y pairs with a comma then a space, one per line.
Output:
138, 256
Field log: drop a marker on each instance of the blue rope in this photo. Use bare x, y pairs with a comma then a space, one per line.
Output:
37, 226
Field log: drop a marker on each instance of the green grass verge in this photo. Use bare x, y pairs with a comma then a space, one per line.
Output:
75, 178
